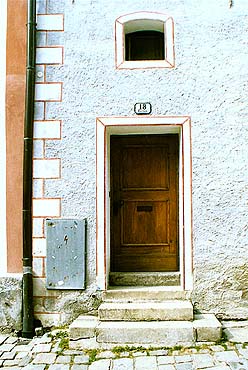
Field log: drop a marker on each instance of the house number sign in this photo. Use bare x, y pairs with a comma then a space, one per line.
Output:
143, 108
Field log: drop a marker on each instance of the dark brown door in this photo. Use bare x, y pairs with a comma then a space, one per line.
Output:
144, 203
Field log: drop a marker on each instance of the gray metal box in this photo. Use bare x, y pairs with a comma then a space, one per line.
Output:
65, 267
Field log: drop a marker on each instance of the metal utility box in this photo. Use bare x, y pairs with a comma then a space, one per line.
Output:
66, 250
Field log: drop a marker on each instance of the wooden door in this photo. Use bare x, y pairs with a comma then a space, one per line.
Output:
144, 202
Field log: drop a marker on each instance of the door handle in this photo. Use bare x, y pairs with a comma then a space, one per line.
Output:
117, 204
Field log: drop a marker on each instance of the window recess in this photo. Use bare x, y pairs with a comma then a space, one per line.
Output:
144, 40
144, 45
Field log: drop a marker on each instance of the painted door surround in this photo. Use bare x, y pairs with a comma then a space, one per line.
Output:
107, 126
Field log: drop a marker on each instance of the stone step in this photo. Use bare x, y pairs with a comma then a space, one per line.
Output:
83, 327
134, 294
144, 279
162, 333
177, 310
204, 328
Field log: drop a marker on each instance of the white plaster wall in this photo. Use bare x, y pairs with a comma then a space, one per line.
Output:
209, 83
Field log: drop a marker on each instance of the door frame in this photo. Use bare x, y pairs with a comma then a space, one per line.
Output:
107, 126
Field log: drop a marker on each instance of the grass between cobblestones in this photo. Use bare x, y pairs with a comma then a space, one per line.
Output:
130, 351
58, 339
61, 336
92, 353
134, 351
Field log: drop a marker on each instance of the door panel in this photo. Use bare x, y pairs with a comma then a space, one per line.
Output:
142, 217
151, 160
144, 203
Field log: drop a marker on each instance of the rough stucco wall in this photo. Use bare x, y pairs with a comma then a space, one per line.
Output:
209, 83
10, 304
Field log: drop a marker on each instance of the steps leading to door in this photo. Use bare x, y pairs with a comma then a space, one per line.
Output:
144, 279
144, 316
90, 331
177, 310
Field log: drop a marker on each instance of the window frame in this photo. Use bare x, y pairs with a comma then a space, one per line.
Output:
168, 29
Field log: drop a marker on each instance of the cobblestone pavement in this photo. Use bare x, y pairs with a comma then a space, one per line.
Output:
51, 352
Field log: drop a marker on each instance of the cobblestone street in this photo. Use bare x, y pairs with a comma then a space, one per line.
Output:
51, 352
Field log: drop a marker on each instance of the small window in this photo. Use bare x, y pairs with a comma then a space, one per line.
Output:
144, 45
144, 40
